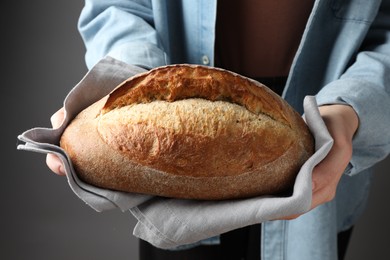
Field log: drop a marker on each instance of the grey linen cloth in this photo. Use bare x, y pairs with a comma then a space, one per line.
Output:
166, 222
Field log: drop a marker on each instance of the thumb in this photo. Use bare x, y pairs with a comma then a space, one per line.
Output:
57, 118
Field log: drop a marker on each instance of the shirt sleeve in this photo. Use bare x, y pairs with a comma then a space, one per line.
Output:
366, 87
122, 29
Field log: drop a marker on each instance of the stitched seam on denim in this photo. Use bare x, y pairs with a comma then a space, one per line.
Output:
285, 240
339, 17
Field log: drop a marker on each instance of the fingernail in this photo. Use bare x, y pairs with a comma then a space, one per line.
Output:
61, 170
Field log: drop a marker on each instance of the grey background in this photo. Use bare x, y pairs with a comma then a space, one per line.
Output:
40, 216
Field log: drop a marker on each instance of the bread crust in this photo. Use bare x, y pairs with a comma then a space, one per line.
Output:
189, 131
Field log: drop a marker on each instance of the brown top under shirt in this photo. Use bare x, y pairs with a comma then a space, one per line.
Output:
259, 38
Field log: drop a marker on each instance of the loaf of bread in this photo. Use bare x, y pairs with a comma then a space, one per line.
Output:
188, 131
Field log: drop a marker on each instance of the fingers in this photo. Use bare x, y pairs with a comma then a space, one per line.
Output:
57, 118
327, 174
53, 162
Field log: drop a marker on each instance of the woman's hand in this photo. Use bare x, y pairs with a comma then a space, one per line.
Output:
53, 162
342, 123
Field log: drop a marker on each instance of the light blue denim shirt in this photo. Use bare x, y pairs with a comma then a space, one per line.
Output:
344, 57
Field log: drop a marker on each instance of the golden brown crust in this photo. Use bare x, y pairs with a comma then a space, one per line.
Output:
189, 131
177, 82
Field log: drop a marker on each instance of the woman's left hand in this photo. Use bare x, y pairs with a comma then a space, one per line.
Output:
342, 123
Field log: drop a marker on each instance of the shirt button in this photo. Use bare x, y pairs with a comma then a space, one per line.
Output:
205, 60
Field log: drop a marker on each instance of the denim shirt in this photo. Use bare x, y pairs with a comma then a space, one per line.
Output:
343, 58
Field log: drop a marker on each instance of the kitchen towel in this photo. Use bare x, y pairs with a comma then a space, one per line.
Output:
167, 222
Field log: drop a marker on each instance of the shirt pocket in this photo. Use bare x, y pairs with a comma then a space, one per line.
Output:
363, 11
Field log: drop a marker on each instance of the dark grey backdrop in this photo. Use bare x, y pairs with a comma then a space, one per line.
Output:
43, 58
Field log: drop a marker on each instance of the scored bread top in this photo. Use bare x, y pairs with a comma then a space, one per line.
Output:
177, 82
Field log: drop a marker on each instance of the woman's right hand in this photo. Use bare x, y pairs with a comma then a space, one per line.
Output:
53, 162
